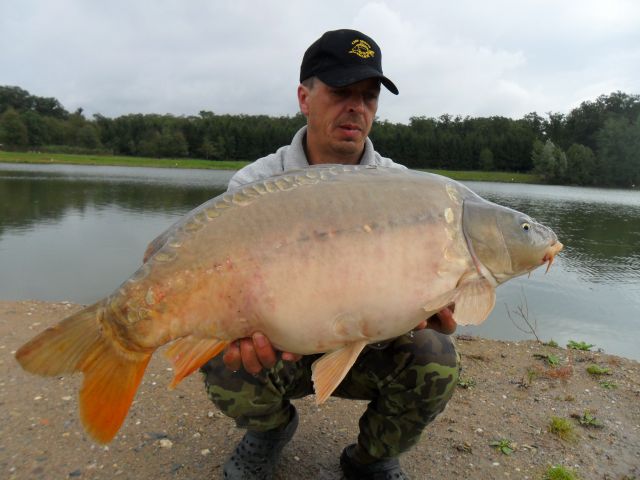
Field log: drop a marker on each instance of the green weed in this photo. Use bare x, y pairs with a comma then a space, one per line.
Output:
607, 384
598, 370
503, 445
579, 345
562, 428
588, 420
551, 343
466, 383
559, 472
551, 359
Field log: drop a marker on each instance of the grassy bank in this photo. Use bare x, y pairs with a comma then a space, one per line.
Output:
482, 176
51, 158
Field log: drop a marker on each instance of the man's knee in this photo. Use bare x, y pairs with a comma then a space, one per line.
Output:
428, 346
430, 369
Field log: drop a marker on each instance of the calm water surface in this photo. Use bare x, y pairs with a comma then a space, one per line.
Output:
75, 233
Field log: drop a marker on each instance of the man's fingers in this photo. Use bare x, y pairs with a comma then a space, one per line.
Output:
250, 360
290, 357
254, 354
422, 325
443, 321
265, 353
232, 358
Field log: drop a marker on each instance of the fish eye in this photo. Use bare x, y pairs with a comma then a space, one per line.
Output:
526, 226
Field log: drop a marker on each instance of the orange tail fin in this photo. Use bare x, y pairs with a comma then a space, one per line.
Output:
111, 373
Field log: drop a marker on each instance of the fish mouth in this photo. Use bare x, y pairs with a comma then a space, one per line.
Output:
550, 254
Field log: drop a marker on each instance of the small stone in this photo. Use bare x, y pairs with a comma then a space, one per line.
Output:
204, 452
496, 464
197, 435
66, 398
210, 414
296, 458
75, 473
166, 443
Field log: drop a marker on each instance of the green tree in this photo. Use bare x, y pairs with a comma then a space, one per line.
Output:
87, 137
37, 128
486, 159
172, 143
581, 165
13, 132
149, 146
549, 161
584, 123
619, 152
15, 98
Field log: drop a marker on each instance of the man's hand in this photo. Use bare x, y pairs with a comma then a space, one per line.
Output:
254, 354
442, 322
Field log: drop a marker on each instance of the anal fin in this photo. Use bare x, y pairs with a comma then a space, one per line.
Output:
330, 369
188, 354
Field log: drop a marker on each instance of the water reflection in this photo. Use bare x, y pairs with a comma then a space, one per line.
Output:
32, 194
75, 233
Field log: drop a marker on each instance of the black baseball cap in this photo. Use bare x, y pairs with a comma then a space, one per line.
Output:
342, 57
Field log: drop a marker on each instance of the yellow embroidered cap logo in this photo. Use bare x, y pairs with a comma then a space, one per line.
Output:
362, 49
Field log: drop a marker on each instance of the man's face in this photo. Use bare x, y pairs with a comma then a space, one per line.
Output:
339, 118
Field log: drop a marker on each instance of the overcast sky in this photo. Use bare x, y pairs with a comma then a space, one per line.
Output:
469, 57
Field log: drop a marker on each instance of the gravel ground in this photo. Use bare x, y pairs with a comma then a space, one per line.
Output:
508, 391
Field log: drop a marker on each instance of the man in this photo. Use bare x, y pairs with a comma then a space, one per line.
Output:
408, 380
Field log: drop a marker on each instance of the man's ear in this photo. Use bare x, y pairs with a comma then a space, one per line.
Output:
303, 99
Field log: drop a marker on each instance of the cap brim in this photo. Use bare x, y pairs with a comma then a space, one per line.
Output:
347, 76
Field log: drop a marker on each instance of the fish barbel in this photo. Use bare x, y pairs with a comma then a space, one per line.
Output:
325, 259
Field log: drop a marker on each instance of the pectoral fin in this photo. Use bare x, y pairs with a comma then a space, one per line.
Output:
474, 301
188, 354
438, 303
330, 369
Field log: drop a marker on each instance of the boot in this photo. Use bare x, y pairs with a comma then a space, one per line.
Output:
383, 469
257, 454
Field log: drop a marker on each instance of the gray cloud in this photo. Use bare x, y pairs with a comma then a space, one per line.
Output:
464, 57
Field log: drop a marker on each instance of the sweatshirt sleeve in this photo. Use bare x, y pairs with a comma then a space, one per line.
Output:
262, 168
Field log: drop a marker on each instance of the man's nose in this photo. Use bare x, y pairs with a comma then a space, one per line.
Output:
356, 103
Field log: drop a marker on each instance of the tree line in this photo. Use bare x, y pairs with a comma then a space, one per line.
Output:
597, 143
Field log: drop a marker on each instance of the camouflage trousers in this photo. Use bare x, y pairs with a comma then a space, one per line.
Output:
408, 383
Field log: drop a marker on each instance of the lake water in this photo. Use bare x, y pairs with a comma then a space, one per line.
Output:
75, 233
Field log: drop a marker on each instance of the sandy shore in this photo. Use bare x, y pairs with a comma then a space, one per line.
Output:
511, 393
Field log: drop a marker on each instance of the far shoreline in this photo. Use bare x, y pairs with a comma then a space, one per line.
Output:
45, 158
